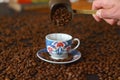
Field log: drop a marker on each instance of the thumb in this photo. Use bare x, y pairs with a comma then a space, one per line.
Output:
104, 13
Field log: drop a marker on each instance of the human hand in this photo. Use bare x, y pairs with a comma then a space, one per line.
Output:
108, 10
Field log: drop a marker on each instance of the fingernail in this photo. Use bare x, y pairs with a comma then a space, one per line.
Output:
98, 13
118, 23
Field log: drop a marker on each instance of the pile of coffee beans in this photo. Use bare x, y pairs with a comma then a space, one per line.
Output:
23, 34
61, 16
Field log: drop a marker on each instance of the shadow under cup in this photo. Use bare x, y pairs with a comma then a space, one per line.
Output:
58, 45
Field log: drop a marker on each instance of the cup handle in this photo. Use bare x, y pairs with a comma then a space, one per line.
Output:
75, 39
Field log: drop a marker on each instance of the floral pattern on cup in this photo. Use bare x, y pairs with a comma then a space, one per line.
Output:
59, 48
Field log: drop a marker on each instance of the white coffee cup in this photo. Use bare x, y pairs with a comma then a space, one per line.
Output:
59, 45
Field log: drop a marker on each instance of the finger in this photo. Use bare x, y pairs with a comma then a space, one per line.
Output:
105, 13
111, 21
97, 4
118, 23
101, 4
104, 9
97, 18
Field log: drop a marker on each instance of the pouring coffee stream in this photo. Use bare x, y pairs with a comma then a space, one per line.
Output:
61, 12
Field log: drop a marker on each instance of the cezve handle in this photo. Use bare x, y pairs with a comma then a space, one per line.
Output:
84, 11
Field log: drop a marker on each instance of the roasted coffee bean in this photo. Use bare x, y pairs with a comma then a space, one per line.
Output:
33, 72
7, 78
118, 78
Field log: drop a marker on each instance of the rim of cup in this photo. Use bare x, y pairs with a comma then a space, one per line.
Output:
68, 37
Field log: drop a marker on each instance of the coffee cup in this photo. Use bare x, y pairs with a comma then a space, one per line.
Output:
58, 45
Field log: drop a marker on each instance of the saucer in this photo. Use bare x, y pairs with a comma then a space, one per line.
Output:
75, 54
